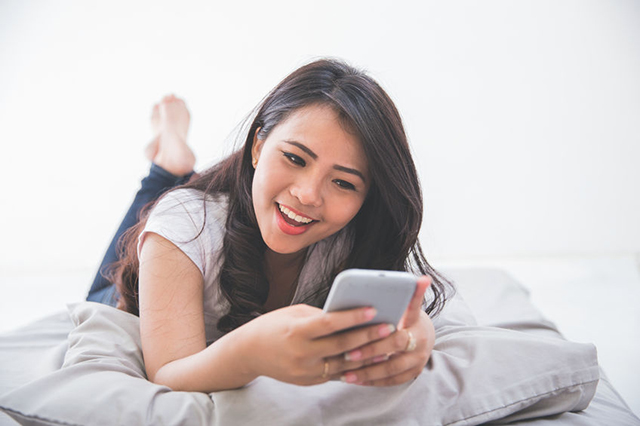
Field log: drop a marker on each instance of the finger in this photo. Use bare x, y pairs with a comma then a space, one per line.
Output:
337, 365
339, 343
397, 364
412, 314
396, 342
329, 323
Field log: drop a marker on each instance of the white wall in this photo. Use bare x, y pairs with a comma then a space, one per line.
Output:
524, 116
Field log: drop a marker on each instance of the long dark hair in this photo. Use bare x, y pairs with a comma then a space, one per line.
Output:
384, 233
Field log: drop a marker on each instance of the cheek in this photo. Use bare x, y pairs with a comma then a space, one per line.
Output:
255, 189
267, 184
258, 195
347, 210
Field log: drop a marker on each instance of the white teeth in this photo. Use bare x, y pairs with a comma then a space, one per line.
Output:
294, 216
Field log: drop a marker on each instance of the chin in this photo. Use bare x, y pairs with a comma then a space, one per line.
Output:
284, 248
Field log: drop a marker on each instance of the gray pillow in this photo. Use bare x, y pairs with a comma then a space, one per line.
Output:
476, 374
103, 381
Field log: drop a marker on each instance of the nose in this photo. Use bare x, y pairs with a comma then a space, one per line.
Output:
308, 192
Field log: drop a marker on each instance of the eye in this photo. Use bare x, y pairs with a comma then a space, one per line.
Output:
294, 159
344, 184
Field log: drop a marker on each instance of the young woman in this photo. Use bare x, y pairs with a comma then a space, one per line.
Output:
228, 271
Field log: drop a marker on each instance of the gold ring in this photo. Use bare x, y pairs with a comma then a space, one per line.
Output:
412, 343
325, 373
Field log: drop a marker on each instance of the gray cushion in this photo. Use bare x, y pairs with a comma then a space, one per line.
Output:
476, 374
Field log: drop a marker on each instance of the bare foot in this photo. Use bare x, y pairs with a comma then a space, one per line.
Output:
152, 149
169, 150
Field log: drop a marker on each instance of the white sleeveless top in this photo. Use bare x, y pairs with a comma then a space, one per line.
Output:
197, 226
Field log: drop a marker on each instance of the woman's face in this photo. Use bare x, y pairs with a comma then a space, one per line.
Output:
310, 180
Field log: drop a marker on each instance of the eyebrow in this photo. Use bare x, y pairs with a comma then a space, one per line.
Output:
335, 166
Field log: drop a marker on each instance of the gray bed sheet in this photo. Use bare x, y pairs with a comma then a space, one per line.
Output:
494, 298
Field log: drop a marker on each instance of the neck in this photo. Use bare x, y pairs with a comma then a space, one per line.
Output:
282, 272
278, 261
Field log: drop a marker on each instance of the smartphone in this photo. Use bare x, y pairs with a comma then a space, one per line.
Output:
389, 292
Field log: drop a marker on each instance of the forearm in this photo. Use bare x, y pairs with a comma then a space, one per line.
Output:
221, 366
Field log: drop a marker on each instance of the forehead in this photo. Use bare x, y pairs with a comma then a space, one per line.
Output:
322, 130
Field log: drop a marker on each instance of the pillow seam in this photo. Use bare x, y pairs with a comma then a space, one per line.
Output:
522, 400
35, 416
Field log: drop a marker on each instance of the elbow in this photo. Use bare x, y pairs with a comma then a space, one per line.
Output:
175, 377
162, 376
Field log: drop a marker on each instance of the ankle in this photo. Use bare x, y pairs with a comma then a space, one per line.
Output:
178, 162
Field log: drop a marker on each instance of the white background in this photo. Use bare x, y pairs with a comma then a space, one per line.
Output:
524, 118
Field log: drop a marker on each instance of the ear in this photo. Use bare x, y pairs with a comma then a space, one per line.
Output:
256, 148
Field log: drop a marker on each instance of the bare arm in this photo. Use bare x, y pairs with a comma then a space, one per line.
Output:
295, 344
172, 325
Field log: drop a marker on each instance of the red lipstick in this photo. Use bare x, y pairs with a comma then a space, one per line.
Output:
288, 228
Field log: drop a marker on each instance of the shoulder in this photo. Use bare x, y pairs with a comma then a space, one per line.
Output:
192, 203
186, 213
193, 221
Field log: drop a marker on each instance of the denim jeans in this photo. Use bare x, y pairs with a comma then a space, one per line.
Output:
152, 187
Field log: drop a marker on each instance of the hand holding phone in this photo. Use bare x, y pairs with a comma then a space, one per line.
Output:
398, 297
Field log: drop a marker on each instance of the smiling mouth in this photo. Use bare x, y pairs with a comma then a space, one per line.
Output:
293, 218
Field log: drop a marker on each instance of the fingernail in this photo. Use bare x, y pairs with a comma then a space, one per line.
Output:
380, 358
352, 356
386, 330
370, 313
349, 378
